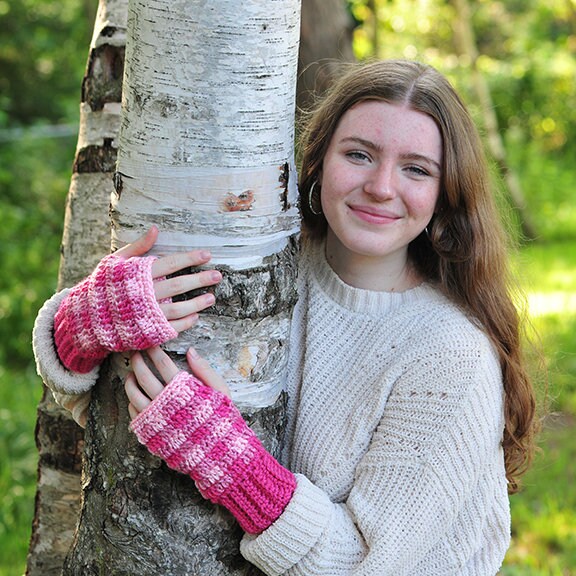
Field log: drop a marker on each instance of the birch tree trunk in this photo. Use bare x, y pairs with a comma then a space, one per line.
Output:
325, 42
206, 154
466, 40
85, 240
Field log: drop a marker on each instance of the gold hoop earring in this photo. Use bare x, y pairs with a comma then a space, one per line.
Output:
310, 192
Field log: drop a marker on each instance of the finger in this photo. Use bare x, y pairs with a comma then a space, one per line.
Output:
184, 323
140, 246
171, 287
132, 411
145, 378
136, 398
176, 310
178, 261
163, 363
203, 371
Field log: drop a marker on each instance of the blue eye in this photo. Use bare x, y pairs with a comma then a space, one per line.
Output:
418, 171
357, 155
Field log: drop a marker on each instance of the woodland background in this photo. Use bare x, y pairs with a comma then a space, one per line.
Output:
527, 56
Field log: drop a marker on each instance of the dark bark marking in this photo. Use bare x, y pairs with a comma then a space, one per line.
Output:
118, 185
253, 293
96, 159
283, 179
103, 80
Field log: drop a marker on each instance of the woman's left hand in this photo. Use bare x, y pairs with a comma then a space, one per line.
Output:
197, 430
142, 385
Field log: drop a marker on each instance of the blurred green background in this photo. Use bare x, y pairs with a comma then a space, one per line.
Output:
528, 59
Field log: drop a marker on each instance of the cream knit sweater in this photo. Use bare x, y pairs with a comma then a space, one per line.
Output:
395, 421
395, 425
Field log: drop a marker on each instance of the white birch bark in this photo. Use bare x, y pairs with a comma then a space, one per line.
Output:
206, 153
85, 240
86, 237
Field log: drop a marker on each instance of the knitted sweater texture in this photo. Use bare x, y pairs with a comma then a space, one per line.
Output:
395, 425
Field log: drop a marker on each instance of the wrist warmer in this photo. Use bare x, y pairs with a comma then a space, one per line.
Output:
198, 431
113, 310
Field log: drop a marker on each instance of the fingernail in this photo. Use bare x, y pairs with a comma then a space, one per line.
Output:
209, 298
205, 255
216, 276
192, 353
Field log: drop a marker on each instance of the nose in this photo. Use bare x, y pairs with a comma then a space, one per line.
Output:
381, 182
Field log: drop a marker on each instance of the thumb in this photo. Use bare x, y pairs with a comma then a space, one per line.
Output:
140, 246
204, 372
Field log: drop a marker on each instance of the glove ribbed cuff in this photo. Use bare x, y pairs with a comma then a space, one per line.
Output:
198, 431
261, 494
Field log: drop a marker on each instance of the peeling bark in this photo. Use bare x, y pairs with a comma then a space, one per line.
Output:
103, 81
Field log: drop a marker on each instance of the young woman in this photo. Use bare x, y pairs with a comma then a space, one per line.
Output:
411, 415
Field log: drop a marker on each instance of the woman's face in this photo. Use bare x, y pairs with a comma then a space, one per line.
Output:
380, 182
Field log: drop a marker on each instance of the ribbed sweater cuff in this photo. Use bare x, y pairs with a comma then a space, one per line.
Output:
294, 534
48, 364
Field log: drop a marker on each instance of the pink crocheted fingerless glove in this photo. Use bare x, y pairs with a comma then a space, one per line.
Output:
198, 431
113, 310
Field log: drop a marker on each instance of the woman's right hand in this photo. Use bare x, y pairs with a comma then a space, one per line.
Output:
181, 315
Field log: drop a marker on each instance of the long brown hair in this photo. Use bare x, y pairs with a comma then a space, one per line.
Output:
465, 251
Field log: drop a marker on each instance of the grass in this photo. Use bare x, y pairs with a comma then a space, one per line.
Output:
544, 514
19, 395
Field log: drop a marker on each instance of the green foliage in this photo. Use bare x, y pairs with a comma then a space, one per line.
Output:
547, 180
34, 177
40, 61
529, 60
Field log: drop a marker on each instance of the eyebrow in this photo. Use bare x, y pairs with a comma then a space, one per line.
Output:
409, 156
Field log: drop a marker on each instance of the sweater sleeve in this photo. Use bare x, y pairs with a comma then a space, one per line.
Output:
70, 389
424, 490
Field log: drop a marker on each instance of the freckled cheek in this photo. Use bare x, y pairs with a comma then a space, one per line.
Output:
422, 204
334, 189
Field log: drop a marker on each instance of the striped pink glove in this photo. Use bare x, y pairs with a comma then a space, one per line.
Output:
198, 431
113, 310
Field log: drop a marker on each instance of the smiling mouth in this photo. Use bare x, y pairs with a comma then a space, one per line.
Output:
372, 216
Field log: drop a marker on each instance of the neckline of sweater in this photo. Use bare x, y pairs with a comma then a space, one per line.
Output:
360, 300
